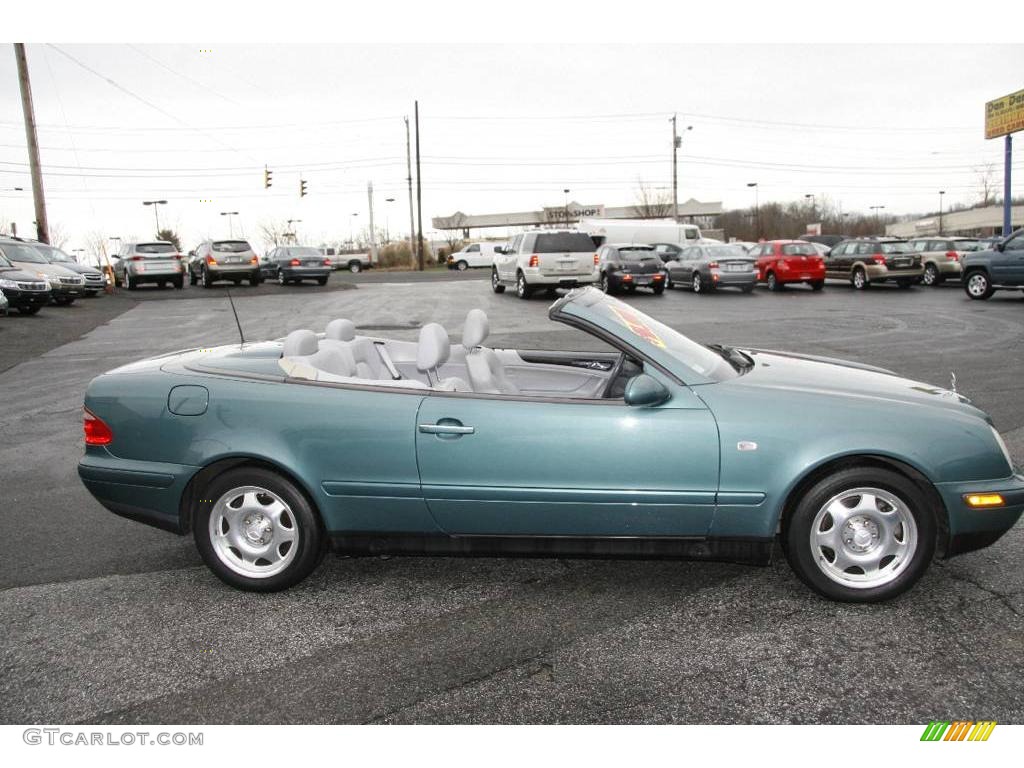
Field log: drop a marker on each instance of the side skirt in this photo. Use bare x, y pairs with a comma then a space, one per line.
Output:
750, 551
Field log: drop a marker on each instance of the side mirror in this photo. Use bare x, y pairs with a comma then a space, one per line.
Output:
499, 249
645, 391
191, 253
999, 247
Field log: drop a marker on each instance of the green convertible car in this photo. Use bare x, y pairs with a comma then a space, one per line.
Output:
376, 445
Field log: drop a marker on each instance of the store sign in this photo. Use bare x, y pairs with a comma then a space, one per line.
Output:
1005, 115
813, 229
573, 212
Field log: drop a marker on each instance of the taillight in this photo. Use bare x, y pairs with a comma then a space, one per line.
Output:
96, 431
952, 255
535, 260
713, 265
254, 261
327, 262
878, 258
294, 263
135, 258
596, 260
210, 260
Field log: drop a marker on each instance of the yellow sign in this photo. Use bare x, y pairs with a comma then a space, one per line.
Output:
1004, 115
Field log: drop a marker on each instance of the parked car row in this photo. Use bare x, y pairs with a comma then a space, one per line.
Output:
33, 275
551, 259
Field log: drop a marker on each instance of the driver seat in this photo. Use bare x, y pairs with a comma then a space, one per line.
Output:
485, 369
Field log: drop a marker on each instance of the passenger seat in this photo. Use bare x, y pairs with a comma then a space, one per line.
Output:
486, 371
303, 358
433, 351
369, 364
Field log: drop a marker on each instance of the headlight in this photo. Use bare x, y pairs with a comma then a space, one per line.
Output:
1002, 446
7, 283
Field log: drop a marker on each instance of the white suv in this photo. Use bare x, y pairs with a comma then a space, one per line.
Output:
545, 259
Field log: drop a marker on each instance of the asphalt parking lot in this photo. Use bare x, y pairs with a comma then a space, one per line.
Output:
106, 620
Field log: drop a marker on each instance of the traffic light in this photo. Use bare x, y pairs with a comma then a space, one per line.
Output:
268, 178
302, 188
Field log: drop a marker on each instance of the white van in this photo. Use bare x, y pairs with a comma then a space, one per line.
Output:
474, 255
640, 231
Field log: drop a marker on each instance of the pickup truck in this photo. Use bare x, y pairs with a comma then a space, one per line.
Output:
1000, 267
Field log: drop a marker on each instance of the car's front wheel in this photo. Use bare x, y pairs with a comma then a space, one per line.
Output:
978, 286
496, 285
257, 531
861, 534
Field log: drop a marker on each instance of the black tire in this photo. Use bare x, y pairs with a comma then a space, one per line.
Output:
804, 558
606, 284
859, 279
747, 289
496, 285
179, 283
192, 279
697, 284
321, 281
355, 266
817, 285
773, 283
28, 310
206, 280
978, 285
523, 289
658, 290
63, 301
281, 279
312, 541
904, 283
462, 266
932, 276
254, 281
129, 282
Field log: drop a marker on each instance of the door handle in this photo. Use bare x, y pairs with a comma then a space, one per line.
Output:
446, 429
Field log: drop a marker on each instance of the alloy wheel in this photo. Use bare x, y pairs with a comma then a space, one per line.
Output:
977, 285
253, 532
698, 286
860, 280
930, 276
863, 537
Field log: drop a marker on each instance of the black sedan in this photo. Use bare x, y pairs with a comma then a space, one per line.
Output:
295, 263
628, 267
24, 291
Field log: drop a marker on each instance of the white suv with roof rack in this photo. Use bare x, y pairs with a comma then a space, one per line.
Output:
545, 259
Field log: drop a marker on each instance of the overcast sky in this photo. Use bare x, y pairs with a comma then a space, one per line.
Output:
502, 129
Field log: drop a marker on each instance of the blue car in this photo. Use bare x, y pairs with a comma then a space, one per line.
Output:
375, 445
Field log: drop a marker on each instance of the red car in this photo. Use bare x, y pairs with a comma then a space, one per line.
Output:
780, 262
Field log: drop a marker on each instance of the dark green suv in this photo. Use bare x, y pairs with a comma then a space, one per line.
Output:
999, 268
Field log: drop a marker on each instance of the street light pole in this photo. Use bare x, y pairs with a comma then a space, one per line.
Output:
291, 230
387, 221
230, 215
566, 193
811, 198
156, 204
757, 208
941, 193
876, 209
677, 142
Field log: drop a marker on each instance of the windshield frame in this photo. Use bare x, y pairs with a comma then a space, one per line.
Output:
676, 355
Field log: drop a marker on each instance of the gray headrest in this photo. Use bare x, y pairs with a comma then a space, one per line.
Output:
341, 330
476, 329
434, 348
299, 343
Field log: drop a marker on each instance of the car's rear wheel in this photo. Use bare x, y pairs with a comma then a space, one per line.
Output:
773, 282
179, 283
355, 266
522, 288
207, 281
192, 279
658, 290
931, 275
861, 534
698, 284
322, 280
28, 310
606, 285
817, 285
281, 278
129, 282
978, 286
496, 285
859, 279
257, 531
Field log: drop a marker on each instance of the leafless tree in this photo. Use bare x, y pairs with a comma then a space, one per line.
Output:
652, 203
58, 235
273, 233
986, 184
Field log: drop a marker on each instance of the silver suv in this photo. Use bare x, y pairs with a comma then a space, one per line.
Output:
942, 257
545, 259
154, 262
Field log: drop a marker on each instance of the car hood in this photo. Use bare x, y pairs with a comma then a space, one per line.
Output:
50, 270
829, 376
78, 269
20, 275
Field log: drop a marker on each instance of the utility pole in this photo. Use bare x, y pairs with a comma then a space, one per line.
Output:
373, 233
419, 193
941, 193
408, 178
675, 177
42, 227
1007, 201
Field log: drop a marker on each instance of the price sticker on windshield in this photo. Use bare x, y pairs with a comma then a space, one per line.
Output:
636, 324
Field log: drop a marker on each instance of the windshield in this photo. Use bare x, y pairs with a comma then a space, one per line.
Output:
564, 242
19, 252
700, 365
4, 263
231, 246
155, 248
727, 252
53, 254
896, 248
966, 245
691, 234
799, 249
